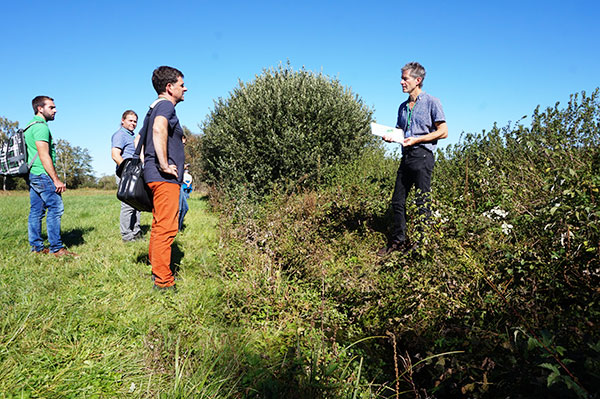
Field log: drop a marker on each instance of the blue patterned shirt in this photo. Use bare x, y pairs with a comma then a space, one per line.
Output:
425, 113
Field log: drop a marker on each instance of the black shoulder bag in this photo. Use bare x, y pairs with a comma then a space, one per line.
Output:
132, 188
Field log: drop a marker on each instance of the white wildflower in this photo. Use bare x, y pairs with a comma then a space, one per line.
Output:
507, 228
564, 237
438, 215
496, 213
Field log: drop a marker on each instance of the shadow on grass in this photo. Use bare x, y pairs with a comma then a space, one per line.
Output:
74, 237
145, 228
381, 223
344, 218
143, 258
176, 257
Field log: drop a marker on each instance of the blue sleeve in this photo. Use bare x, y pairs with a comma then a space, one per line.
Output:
400, 123
437, 112
166, 109
117, 141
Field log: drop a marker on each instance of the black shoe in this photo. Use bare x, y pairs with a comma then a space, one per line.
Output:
172, 288
392, 247
409, 246
135, 237
402, 246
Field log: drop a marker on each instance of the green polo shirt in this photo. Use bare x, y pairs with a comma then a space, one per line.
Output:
38, 132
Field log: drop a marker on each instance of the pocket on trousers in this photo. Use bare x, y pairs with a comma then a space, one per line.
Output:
42, 183
36, 183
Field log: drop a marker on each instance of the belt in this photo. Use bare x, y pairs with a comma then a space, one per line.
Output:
415, 150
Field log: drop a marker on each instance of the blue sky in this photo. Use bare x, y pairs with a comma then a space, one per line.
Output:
486, 61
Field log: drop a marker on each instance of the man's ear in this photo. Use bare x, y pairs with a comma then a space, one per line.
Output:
168, 88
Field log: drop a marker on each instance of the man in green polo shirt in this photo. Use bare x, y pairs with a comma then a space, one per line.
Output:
45, 188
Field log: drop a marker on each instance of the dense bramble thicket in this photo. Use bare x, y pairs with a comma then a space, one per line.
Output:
507, 272
285, 127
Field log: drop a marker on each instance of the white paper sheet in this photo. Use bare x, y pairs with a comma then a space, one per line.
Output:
396, 135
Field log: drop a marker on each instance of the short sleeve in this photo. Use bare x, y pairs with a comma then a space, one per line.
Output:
437, 112
166, 109
40, 132
117, 141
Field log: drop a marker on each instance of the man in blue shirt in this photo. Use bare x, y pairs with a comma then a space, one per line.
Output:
164, 160
123, 147
422, 118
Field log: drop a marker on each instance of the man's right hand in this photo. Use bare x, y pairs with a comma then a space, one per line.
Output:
43, 149
389, 139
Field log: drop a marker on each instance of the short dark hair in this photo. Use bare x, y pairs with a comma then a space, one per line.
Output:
128, 112
162, 76
39, 101
415, 70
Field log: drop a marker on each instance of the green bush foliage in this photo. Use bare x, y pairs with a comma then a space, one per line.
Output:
284, 128
507, 271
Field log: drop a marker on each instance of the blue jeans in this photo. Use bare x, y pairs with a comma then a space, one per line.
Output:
42, 196
183, 207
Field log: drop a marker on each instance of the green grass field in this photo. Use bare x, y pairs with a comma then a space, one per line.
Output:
93, 326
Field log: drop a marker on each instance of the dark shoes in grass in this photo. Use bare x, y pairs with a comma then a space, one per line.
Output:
397, 246
170, 288
136, 237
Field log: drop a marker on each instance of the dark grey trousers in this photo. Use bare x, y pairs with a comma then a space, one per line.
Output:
415, 170
129, 220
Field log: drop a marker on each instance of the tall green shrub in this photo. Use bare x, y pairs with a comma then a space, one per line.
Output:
284, 128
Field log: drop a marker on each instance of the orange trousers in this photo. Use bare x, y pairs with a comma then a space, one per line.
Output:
164, 229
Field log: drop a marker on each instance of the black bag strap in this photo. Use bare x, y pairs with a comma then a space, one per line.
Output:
144, 133
30, 164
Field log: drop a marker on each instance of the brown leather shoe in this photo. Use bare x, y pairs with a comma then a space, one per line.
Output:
43, 251
64, 252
